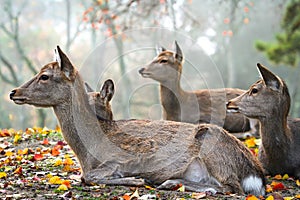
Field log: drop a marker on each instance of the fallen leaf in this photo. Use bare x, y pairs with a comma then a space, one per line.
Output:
68, 161
298, 196
298, 182
66, 183
55, 150
250, 142
269, 188
3, 175
251, 197
55, 180
277, 186
45, 141
278, 177
288, 198
62, 187
285, 176
270, 197
38, 157
181, 189
126, 197
17, 138
18, 170
58, 162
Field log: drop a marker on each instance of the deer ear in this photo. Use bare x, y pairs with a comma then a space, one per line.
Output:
178, 52
65, 64
160, 49
88, 88
271, 80
107, 91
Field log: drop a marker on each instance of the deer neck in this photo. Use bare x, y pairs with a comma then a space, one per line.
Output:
79, 125
275, 136
171, 95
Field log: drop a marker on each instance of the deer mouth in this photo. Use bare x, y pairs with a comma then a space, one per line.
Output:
144, 74
232, 108
19, 100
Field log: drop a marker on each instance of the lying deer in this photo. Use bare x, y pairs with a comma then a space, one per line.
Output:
100, 101
268, 100
133, 152
201, 106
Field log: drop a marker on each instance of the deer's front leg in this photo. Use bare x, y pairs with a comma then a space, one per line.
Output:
110, 177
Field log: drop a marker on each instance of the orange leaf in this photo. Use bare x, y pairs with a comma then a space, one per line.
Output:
18, 170
278, 177
251, 197
38, 157
298, 196
4, 133
55, 151
126, 197
269, 188
66, 183
45, 142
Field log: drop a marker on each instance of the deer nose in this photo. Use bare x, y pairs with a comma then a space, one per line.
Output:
141, 70
12, 93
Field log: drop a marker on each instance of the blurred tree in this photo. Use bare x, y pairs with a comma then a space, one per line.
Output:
12, 31
286, 49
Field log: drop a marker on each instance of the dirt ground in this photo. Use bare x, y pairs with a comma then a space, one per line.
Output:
38, 164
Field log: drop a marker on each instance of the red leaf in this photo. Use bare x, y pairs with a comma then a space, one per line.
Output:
38, 157
45, 142
278, 186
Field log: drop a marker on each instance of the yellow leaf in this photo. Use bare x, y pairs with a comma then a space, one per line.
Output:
149, 187
9, 153
181, 189
17, 138
270, 197
55, 180
68, 161
286, 176
62, 187
298, 182
288, 198
3, 175
250, 142
58, 162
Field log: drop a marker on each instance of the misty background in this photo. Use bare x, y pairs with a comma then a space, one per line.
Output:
221, 41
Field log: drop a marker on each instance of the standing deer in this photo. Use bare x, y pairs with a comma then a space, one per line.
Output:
100, 101
201, 106
268, 100
133, 152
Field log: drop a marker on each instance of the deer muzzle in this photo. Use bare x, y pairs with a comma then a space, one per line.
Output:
15, 98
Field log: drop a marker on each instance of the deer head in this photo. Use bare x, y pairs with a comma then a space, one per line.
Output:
47, 82
167, 65
268, 96
100, 101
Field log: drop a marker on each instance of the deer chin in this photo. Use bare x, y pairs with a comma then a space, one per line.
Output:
146, 75
19, 100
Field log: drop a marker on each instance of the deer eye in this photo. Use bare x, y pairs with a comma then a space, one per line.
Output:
163, 61
44, 77
253, 91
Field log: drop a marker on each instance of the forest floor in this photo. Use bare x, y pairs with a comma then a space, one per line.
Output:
38, 164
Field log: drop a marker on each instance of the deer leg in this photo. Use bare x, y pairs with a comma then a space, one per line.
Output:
190, 186
110, 177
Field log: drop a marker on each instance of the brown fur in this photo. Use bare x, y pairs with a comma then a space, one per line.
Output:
268, 100
200, 106
163, 153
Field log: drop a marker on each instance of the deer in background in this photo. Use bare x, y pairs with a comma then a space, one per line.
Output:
100, 101
200, 106
133, 152
268, 100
